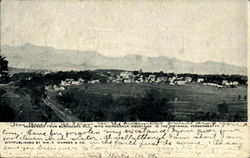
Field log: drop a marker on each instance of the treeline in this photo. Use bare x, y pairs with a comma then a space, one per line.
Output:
219, 78
57, 77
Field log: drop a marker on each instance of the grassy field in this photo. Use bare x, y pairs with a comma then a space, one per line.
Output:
186, 98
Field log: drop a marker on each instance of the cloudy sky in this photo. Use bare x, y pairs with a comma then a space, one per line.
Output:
193, 30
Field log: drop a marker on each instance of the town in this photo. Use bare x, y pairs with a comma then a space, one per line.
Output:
140, 77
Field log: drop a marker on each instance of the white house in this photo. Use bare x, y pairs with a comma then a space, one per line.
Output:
225, 83
199, 80
234, 83
117, 80
161, 79
188, 79
219, 86
212, 84
94, 81
171, 80
75, 83
127, 80
126, 74
58, 88
81, 80
141, 79
181, 82
67, 82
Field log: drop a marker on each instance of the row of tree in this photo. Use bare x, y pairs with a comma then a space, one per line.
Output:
4, 76
6, 112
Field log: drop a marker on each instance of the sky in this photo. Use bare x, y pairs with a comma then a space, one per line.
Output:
192, 30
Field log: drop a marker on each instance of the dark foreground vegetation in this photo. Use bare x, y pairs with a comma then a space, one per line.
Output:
98, 107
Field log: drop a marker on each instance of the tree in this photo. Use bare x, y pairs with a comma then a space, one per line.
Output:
161, 74
3, 64
103, 79
222, 108
239, 97
7, 113
156, 108
4, 76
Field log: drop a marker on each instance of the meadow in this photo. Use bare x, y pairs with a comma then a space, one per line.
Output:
188, 100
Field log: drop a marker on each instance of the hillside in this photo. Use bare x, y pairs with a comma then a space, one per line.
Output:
38, 57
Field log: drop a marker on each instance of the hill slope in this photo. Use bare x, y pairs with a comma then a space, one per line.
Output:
38, 57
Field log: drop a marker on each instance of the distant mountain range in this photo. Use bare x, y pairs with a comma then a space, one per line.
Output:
46, 58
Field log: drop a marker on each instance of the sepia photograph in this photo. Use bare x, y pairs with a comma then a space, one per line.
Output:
128, 61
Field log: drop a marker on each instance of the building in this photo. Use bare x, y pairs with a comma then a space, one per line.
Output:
188, 79
54, 88
126, 80
75, 83
126, 74
171, 80
211, 84
234, 83
94, 81
225, 83
181, 82
219, 86
117, 80
81, 80
200, 80
58, 88
161, 79
141, 79
66, 82
151, 78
